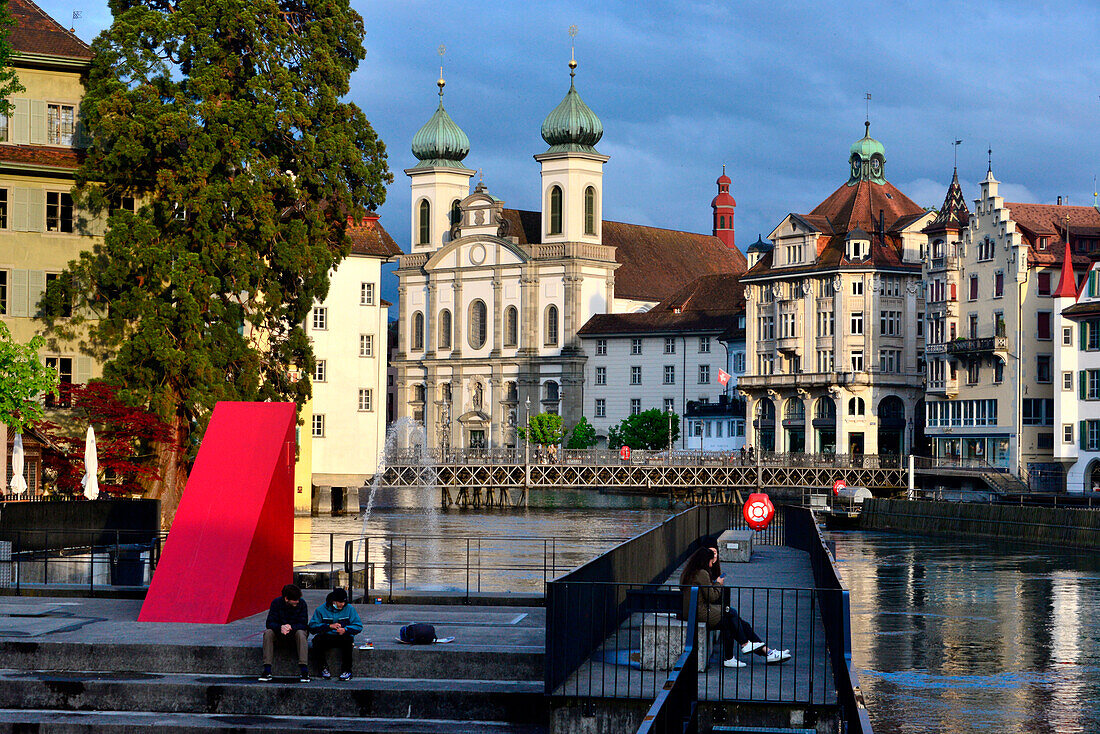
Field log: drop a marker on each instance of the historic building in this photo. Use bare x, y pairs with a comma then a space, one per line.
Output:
669, 358
832, 310
39, 153
993, 327
491, 299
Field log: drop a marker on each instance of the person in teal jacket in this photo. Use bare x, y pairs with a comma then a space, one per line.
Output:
335, 625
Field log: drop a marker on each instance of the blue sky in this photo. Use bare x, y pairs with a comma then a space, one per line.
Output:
773, 90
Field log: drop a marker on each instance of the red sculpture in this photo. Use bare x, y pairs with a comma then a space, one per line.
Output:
758, 511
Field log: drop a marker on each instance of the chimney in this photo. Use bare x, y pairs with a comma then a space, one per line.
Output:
1059, 201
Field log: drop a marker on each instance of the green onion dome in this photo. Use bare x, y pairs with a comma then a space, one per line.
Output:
440, 142
867, 146
572, 126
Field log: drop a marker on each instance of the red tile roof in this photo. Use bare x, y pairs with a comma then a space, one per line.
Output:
368, 237
37, 33
41, 155
860, 206
710, 303
1049, 220
654, 263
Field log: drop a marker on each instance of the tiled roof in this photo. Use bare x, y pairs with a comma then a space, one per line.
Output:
710, 303
35, 32
41, 155
369, 237
1090, 308
654, 262
858, 206
1049, 220
953, 214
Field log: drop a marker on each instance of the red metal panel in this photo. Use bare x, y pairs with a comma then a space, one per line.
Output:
229, 551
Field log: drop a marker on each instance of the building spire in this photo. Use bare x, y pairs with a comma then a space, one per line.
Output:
956, 145
572, 52
442, 50
1067, 284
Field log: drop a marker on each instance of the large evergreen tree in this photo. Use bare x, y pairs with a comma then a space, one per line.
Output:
224, 121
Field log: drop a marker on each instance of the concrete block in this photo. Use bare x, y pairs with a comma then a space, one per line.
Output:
351, 501
663, 637
735, 546
324, 500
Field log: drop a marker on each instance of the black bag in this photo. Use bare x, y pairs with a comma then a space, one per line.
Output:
418, 634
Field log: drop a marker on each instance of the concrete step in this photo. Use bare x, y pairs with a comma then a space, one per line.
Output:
515, 702
385, 660
145, 722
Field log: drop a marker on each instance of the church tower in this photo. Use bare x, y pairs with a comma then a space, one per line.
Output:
572, 171
723, 206
439, 180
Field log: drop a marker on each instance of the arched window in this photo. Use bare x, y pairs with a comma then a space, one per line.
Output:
456, 212
477, 318
795, 411
590, 210
511, 326
445, 329
856, 406
418, 331
445, 392
555, 210
425, 234
721, 222
419, 392
551, 326
511, 394
552, 390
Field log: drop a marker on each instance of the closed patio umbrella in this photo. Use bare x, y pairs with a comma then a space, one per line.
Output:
18, 482
91, 466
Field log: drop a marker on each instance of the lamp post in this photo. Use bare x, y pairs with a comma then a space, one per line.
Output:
527, 441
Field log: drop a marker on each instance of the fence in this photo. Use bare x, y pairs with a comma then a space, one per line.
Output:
76, 559
674, 709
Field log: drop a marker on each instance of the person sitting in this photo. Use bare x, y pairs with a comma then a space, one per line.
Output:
286, 626
335, 625
697, 572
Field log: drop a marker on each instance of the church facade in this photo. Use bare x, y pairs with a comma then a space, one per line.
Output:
491, 299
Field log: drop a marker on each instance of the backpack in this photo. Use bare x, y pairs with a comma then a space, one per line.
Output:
418, 634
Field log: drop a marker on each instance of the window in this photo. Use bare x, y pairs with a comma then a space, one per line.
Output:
972, 325
787, 326
1067, 336
511, 326
635, 346
1043, 368
1067, 433
3, 292
418, 331
1038, 412
320, 317
1044, 242
63, 366
61, 124
1043, 283
3, 205
857, 322
635, 375
66, 293
318, 426
856, 406
635, 406
704, 342
670, 374
1044, 325
366, 345
366, 294
601, 408
601, 347
998, 370
1090, 335
889, 360
551, 326
857, 360
670, 345
857, 287
601, 375
973, 287
1067, 381
366, 399
5, 129
59, 212
319, 371
999, 285
1090, 435
704, 374
985, 250
445, 329
973, 372
825, 323
555, 210
424, 236
890, 323
824, 360
739, 363
766, 329
1090, 385
670, 405
590, 210
477, 319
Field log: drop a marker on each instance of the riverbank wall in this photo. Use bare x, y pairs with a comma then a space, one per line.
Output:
1063, 527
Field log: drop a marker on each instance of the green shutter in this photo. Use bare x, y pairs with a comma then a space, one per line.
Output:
1081, 384
1082, 437
1082, 334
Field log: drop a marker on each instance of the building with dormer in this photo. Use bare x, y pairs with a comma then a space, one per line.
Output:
831, 309
491, 298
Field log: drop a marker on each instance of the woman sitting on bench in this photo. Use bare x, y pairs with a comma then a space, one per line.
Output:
731, 627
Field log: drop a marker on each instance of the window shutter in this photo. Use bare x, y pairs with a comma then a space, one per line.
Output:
1083, 435
38, 122
19, 293
82, 370
36, 286
20, 209
1081, 378
21, 121
1082, 336
36, 210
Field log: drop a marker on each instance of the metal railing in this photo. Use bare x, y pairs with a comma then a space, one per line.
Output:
77, 559
674, 709
956, 462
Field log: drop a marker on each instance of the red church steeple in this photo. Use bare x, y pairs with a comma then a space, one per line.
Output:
723, 206
1067, 284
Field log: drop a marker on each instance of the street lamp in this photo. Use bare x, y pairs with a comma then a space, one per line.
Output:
527, 440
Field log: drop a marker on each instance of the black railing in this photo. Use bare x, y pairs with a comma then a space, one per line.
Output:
76, 559
674, 709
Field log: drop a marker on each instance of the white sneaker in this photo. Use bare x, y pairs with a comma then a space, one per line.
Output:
777, 656
751, 647
734, 663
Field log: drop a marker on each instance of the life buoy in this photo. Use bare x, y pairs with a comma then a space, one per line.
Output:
758, 511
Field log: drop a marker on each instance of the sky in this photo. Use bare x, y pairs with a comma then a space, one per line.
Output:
773, 90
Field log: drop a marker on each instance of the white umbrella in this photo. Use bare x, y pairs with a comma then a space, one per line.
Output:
91, 465
18, 483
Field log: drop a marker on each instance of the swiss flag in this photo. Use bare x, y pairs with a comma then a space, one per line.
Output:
723, 377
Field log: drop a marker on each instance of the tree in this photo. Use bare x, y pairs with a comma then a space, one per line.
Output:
23, 380
583, 435
647, 430
228, 167
125, 437
9, 82
544, 429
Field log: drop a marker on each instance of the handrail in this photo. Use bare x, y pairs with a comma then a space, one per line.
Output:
675, 707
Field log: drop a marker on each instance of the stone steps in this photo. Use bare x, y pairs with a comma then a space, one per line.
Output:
21, 721
516, 702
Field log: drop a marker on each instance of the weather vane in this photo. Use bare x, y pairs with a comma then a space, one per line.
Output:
957, 143
77, 15
572, 49
442, 50
868, 98
989, 153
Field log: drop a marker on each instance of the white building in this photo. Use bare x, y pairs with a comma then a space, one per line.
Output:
1077, 364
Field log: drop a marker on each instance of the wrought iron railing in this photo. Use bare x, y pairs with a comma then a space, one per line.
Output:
674, 709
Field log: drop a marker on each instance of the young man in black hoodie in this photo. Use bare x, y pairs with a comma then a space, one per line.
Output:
287, 624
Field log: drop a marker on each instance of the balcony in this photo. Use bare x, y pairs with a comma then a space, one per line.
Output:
788, 344
980, 345
809, 380
947, 388
944, 262
948, 308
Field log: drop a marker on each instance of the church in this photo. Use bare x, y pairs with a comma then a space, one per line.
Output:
491, 299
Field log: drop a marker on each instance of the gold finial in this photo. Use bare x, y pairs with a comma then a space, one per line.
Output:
572, 48
442, 50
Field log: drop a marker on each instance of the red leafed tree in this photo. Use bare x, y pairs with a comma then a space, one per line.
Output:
124, 436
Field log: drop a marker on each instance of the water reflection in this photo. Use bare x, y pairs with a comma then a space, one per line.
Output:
959, 636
